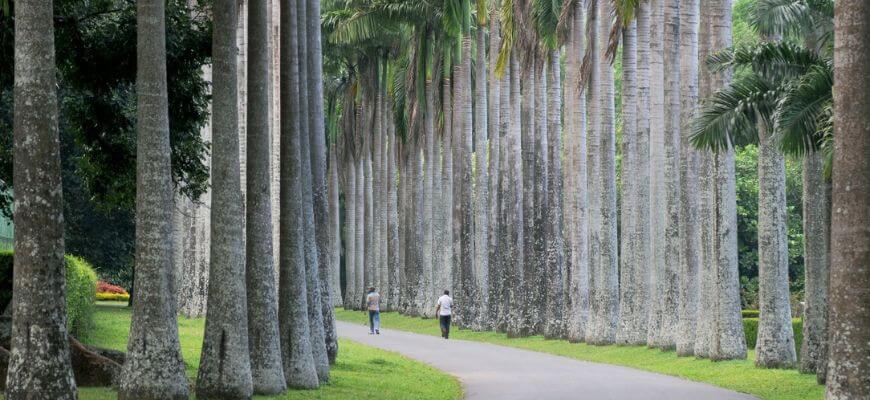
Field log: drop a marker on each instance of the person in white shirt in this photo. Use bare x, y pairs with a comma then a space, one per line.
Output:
373, 304
444, 310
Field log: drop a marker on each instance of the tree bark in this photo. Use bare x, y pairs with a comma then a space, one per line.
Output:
690, 163
775, 346
515, 207
576, 178
481, 184
296, 353
334, 229
154, 367
849, 357
39, 363
494, 272
817, 220
554, 326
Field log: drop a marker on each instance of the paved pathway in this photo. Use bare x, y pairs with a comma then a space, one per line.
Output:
492, 372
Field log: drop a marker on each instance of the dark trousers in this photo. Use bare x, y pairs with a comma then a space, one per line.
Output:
444, 321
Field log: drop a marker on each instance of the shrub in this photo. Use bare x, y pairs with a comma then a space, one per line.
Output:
105, 287
81, 286
103, 296
750, 313
750, 329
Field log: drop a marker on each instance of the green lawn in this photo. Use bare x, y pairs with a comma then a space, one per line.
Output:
361, 372
741, 376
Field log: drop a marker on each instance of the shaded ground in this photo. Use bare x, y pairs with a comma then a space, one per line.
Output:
495, 372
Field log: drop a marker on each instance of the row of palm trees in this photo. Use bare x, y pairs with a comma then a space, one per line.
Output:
449, 123
259, 337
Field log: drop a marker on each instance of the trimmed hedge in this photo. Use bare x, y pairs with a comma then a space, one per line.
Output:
81, 288
750, 329
749, 313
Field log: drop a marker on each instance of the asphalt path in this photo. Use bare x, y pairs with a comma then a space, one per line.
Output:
492, 372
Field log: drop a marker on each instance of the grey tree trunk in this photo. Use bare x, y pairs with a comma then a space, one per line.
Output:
605, 279
350, 201
334, 230
314, 57
849, 357
467, 294
527, 115
225, 365
295, 329
393, 221
775, 346
657, 176
264, 343
383, 198
642, 177
690, 163
719, 334
631, 296
312, 263
494, 272
360, 201
39, 364
377, 154
817, 222
514, 208
671, 176
537, 279
154, 367
427, 292
593, 161
445, 277
576, 178
481, 185
554, 324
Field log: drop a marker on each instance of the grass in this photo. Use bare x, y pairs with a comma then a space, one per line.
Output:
738, 375
360, 372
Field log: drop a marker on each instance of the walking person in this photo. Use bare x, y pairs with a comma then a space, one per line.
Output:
373, 302
444, 309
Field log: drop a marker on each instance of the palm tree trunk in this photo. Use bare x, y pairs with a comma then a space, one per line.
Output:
554, 323
310, 242
631, 297
690, 163
576, 221
498, 281
39, 364
656, 180
350, 201
494, 274
427, 291
467, 293
155, 370
295, 329
605, 286
593, 162
775, 346
334, 229
393, 244
527, 115
445, 276
817, 219
514, 205
263, 340
539, 276
850, 228
360, 262
481, 221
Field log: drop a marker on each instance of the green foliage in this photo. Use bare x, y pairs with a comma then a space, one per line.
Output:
749, 313
750, 329
96, 59
361, 372
81, 288
739, 375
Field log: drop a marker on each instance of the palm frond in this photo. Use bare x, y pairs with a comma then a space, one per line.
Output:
731, 115
803, 111
780, 17
774, 61
508, 36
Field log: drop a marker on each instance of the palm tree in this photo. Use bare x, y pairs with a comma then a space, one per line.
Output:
316, 132
293, 305
481, 171
690, 163
554, 322
631, 301
576, 216
334, 228
225, 366
153, 369
39, 365
494, 273
266, 367
850, 276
